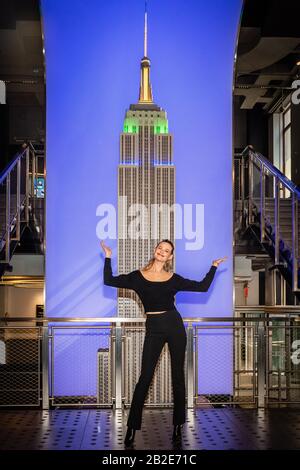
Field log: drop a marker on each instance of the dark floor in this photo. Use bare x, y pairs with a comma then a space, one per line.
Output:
217, 428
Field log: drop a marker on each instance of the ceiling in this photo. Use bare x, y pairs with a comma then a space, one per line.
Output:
21, 52
267, 53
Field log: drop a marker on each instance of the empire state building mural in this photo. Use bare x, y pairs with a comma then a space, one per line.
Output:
146, 191
82, 130
146, 185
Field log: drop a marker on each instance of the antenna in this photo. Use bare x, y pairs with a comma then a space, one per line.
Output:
145, 31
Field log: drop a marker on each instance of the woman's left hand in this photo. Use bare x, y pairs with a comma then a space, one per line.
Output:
216, 262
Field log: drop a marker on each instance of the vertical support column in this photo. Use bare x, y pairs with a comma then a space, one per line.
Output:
190, 366
45, 367
27, 186
261, 364
262, 203
270, 284
266, 351
118, 366
282, 291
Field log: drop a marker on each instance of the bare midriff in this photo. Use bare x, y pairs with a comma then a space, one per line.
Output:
150, 313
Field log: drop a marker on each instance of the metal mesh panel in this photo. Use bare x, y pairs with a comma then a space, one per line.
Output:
245, 364
283, 372
20, 366
244, 388
75, 378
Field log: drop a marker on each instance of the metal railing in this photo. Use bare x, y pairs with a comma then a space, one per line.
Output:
268, 195
17, 195
89, 361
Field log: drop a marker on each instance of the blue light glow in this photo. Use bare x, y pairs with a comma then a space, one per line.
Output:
93, 51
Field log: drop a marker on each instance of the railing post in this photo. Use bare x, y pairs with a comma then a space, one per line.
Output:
45, 367
7, 220
287, 356
190, 366
118, 366
242, 179
276, 218
295, 253
262, 203
250, 185
261, 364
18, 199
33, 180
242, 191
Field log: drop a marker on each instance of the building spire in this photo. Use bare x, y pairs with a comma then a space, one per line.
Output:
145, 32
145, 85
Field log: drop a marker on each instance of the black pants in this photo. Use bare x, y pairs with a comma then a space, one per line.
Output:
160, 328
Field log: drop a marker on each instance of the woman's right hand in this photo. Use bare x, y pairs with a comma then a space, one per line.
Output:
106, 249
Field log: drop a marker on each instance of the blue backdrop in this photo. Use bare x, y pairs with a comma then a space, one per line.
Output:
93, 51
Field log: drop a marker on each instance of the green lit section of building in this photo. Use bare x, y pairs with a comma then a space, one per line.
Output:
131, 126
160, 125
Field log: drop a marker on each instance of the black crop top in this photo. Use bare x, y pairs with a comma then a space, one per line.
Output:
156, 295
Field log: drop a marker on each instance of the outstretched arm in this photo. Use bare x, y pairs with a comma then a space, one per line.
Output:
185, 284
123, 280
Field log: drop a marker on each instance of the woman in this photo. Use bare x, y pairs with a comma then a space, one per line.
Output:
156, 289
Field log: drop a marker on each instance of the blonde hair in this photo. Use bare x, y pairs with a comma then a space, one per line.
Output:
168, 265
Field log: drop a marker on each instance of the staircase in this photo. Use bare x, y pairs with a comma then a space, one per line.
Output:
21, 212
257, 215
285, 224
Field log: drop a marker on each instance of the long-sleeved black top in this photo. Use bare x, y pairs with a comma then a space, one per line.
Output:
156, 295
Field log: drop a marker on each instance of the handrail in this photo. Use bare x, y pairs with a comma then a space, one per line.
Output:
276, 173
266, 168
271, 168
9, 167
118, 320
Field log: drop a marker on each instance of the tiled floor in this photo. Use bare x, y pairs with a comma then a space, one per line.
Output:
87, 429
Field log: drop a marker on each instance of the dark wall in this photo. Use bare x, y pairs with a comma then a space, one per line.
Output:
239, 125
22, 118
258, 130
250, 126
26, 123
4, 135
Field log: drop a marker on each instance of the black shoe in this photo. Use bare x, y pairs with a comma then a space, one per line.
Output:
177, 432
129, 438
